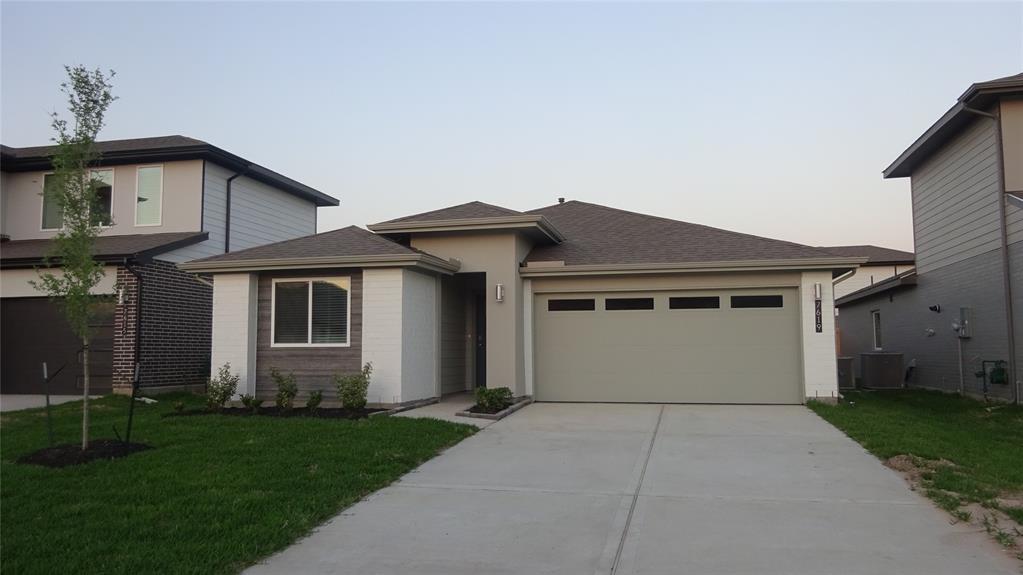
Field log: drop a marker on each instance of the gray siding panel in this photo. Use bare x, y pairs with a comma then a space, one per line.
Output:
976, 283
261, 214
955, 197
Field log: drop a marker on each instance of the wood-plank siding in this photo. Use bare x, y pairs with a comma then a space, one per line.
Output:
314, 367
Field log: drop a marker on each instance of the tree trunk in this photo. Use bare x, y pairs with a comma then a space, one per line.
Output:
85, 394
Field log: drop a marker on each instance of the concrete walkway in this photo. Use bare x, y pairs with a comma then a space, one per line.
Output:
596, 488
14, 402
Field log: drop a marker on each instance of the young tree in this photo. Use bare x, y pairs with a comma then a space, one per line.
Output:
73, 191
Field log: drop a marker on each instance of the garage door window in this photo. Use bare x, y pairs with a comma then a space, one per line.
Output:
628, 303
756, 301
699, 302
571, 305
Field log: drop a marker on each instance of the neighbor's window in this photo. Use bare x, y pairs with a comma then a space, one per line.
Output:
149, 196
751, 301
628, 303
694, 302
875, 318
310, 312
571, 305
103, 180
53, 219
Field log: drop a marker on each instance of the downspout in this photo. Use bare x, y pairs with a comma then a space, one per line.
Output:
1003, 228
227, 211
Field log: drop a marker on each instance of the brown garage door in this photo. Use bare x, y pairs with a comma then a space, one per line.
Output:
34, 330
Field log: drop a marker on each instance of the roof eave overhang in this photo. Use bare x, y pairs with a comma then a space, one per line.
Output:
182, 153
528, 223
976, 96
830, 264
141, 256
906, 279
422, 261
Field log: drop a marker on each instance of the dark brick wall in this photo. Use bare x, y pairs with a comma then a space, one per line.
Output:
314, 367
177, 312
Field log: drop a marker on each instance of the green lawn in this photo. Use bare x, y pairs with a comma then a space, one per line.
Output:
215, 495
983, 442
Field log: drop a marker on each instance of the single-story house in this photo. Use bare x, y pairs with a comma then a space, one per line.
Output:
570, 302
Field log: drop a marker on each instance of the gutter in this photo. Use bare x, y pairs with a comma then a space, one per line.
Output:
546, 269
1010, 326
426, 261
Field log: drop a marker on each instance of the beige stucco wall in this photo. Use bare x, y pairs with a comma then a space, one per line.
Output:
22, 201
498, 255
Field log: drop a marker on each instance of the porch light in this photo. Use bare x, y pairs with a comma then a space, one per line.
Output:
499, 292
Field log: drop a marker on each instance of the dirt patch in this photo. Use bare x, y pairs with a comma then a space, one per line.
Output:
987, 516
274, 411
73, 454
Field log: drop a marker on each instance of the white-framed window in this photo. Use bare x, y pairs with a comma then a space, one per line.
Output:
103, 180
310, 312
875, 320
52, 216
149, 195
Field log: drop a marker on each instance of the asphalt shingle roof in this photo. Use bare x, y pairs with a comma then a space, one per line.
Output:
468, 210
597, 234
350, 241
106, 246
874, 254
111, 146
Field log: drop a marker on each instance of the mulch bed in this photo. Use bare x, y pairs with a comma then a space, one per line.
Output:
274, 411
72, 454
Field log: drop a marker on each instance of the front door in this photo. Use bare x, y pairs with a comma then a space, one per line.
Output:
481, 338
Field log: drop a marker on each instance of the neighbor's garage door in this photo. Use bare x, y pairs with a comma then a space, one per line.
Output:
724, 346
34, 330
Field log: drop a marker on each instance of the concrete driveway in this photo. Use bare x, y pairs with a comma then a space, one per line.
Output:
596, 488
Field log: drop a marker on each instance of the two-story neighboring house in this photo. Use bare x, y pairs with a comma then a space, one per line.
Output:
167, 200
882, 263
956, 317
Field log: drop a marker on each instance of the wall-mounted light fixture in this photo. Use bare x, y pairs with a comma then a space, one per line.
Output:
817, 292
499, 292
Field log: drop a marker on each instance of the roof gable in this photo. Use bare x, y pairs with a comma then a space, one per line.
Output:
469, 210
344, 242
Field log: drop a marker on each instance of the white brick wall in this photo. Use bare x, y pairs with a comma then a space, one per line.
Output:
382, 332
820, 375
419, 335
234, 327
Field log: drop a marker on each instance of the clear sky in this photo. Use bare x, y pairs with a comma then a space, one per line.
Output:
767, 118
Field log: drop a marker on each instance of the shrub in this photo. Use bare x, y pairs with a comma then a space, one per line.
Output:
287, 389
493, 399
352, 388
315, 398
219, 389
252, 403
